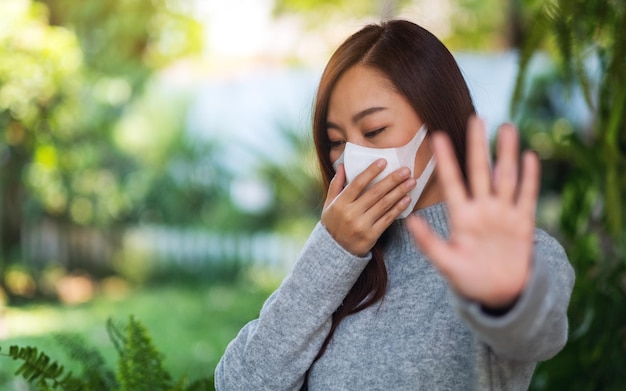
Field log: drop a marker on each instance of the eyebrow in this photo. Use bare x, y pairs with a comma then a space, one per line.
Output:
358, 116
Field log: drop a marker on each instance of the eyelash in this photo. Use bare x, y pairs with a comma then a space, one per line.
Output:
372, 134
335, 144
375, 132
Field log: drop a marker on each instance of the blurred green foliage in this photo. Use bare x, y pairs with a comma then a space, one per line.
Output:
589, 42
296, 185
128, 39
69, 71
40, 76
347, 8
482, 25
204, 319
89, 137
140, 365
468, 25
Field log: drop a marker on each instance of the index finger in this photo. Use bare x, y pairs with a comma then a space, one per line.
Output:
336, 185
354, 189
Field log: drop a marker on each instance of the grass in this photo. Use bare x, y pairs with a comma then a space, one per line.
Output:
191, 324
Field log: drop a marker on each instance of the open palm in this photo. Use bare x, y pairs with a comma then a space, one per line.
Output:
487, 257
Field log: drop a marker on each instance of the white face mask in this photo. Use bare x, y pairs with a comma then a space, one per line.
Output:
356, 159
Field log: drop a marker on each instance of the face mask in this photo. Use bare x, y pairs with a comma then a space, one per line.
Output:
356, 159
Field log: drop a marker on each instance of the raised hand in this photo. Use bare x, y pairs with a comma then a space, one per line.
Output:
487, 257
356, 218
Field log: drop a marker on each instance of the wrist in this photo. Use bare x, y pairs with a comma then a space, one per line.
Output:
498, 310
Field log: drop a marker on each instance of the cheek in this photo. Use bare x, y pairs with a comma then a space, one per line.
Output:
334, 155
424, 153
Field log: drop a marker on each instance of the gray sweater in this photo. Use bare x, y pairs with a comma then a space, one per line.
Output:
421, 336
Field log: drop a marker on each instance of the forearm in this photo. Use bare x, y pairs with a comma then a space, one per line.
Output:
274, 351
535, 328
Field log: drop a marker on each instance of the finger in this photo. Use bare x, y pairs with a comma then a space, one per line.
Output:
434, 247
529, 186
384, 221
394, 202
354, 189
478, 159
388, 191
336, 185
506, 171
448, 171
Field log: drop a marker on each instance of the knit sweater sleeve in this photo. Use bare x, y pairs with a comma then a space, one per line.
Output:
536, 328
274, 351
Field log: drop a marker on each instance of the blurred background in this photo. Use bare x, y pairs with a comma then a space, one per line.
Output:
156, 159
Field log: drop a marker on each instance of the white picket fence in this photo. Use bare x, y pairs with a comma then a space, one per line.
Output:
74, 246
193, 247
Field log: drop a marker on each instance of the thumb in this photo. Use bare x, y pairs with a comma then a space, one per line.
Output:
336, 185
436, 249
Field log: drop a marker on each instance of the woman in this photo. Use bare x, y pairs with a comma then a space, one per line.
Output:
464, 293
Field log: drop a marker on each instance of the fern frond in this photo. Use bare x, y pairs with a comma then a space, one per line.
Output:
140, 364
35, 364
116, 336
94, 370
38, 369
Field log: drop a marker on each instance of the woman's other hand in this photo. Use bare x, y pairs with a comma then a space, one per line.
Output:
487, 257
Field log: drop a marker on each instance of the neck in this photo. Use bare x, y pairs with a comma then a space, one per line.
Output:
432, 194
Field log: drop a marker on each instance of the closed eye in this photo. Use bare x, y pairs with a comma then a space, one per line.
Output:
374, 133
335, 144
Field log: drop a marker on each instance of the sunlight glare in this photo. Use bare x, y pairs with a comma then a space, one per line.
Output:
236, 28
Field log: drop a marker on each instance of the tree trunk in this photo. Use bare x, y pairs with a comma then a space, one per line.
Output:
516, 33
11, 202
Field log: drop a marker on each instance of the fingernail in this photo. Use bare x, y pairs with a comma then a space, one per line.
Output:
404, 172
381, 163
410, 183
405, 200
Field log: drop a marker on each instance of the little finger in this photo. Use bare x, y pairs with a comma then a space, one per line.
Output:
383, 221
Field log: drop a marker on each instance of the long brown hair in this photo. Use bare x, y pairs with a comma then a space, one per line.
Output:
422, 69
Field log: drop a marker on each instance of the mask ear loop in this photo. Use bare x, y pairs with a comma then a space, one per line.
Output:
425, 176
420, 185
409, 151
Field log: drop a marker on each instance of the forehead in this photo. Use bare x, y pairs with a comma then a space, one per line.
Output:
361, 87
